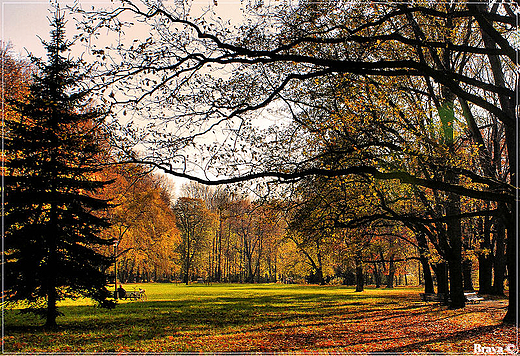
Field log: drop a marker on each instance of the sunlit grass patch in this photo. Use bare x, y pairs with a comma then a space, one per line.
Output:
268, 317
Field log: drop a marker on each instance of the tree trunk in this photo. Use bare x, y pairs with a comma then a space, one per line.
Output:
428, 279
391, 273
218, 277
512, 255
319, 272
454, 253
441, 273
467, 275
485, 262
275, 269
187, 269
500, 260
456, 283
359, 274
485, 271
425, 264
377, 276
52, 309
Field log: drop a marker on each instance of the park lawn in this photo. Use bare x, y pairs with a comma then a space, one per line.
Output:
264, 317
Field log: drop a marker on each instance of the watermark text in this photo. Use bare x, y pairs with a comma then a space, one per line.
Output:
509, 349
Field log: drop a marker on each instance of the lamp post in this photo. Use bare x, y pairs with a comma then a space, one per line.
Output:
116, 242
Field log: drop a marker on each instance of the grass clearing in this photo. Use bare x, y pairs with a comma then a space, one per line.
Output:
265, 317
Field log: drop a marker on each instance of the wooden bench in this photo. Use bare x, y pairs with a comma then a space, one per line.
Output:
472, 297
133, 295
204, 281
432, 297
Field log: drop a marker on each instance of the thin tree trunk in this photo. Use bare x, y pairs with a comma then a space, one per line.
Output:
319, 271
359, 274
187, 271
467, 275
377, 276
219, 251
391, 272
52, 310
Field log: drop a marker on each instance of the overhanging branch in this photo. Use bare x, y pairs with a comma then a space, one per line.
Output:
402, 177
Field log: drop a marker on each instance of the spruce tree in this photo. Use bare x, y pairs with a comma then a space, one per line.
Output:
52, 218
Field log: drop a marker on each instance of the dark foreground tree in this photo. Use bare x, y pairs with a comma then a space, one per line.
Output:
51, 228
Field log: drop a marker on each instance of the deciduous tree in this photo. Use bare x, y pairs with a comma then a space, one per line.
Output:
281, 60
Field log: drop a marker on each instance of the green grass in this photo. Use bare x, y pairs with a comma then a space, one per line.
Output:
266, 317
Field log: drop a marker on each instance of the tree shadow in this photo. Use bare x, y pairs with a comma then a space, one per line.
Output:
283, 318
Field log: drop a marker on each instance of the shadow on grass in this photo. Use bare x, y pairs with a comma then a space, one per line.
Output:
217, 310
87, 328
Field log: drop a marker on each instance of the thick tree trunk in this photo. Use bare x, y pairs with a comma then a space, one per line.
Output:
456, 283
52, 311
425, 264
485, 261
454, 253
512, 255
319, 276
441, 273
428, 279
500, 259
455, 273
511, 243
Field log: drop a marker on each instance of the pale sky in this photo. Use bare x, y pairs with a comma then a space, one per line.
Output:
23, 20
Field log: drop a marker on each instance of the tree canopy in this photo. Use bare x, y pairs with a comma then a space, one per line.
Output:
418, 93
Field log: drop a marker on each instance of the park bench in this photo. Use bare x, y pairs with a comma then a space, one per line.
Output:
432, 297
204, 281
472, 297
139, 294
